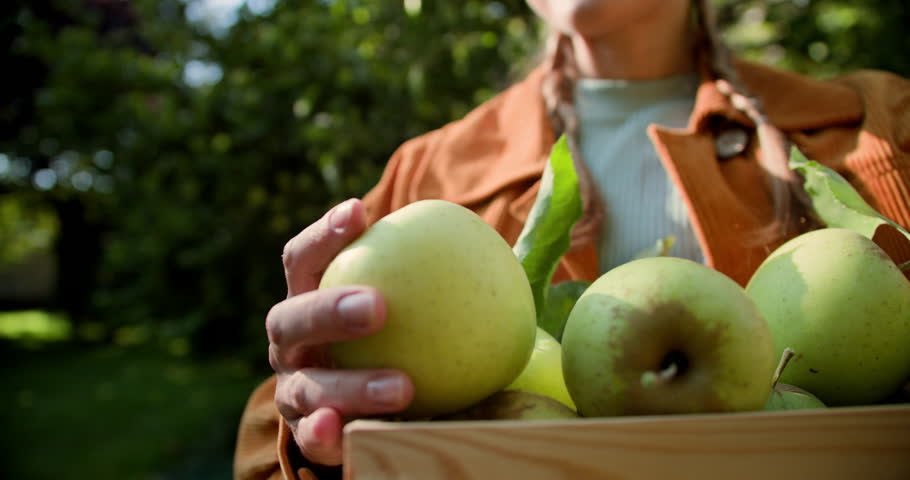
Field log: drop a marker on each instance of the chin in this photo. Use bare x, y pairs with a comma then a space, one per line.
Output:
593, 18
584, 17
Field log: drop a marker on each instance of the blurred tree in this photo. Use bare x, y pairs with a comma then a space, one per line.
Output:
822, 38
204, 152
36, 157
180, 158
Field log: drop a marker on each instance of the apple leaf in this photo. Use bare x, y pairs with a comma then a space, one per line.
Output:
561, 299
660, 248
545, 236
836, 202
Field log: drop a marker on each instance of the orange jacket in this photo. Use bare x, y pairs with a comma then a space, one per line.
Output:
491, 161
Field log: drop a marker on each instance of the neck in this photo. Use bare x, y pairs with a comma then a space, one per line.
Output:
650, 48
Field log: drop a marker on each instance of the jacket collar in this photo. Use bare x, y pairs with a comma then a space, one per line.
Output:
507, 140
724, 220
792, 102
505, 143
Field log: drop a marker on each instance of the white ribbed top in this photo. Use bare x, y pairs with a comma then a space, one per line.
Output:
641, 203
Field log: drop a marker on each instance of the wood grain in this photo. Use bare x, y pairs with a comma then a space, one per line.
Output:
837, 443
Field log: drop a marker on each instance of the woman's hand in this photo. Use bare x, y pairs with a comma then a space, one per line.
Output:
313, 398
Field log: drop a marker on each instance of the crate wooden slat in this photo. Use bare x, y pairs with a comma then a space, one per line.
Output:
836, 443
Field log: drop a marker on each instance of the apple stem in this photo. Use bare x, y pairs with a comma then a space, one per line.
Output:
784, 360
651, 379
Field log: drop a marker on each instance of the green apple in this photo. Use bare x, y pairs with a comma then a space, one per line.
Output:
666, 335
543, 374
838, 300
460, 318
789, 397
514, 405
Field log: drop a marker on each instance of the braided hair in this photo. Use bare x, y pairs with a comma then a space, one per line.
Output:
558, 92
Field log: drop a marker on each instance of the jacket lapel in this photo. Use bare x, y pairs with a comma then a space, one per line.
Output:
503, 146
721, 221
728, 200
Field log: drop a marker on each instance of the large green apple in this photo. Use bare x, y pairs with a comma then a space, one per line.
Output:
543, 374
666, 335
460, 312
837, 299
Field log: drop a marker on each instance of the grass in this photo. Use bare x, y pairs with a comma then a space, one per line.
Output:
116, 412
34, 325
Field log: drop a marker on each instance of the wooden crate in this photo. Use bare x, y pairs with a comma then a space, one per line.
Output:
835, 443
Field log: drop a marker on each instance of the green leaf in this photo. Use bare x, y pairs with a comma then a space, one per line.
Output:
835, 201
660, 248
545, 236
561, 299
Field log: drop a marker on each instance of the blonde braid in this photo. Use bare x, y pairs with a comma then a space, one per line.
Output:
791, 212
559, 84
559, 97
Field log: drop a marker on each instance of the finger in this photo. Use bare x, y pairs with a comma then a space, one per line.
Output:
320, 317
743, 103
353, 393
290, 359
319, 436
308, 254
724, 86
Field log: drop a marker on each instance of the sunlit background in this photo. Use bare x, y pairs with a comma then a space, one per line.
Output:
155, 155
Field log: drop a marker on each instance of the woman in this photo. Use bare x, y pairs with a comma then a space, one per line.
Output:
669, 138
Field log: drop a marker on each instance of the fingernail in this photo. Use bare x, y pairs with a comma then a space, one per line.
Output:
388, 390
340, 216
356, 311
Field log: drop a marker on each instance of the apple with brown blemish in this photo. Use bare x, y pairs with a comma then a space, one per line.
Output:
666, 335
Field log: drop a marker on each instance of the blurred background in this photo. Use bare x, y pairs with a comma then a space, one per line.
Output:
155, 156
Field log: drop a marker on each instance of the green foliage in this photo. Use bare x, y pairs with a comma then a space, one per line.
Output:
546, 234
120, 413
561, 298
822, 38
201, 179
196, 154
29, 227
836, 202
34, 326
